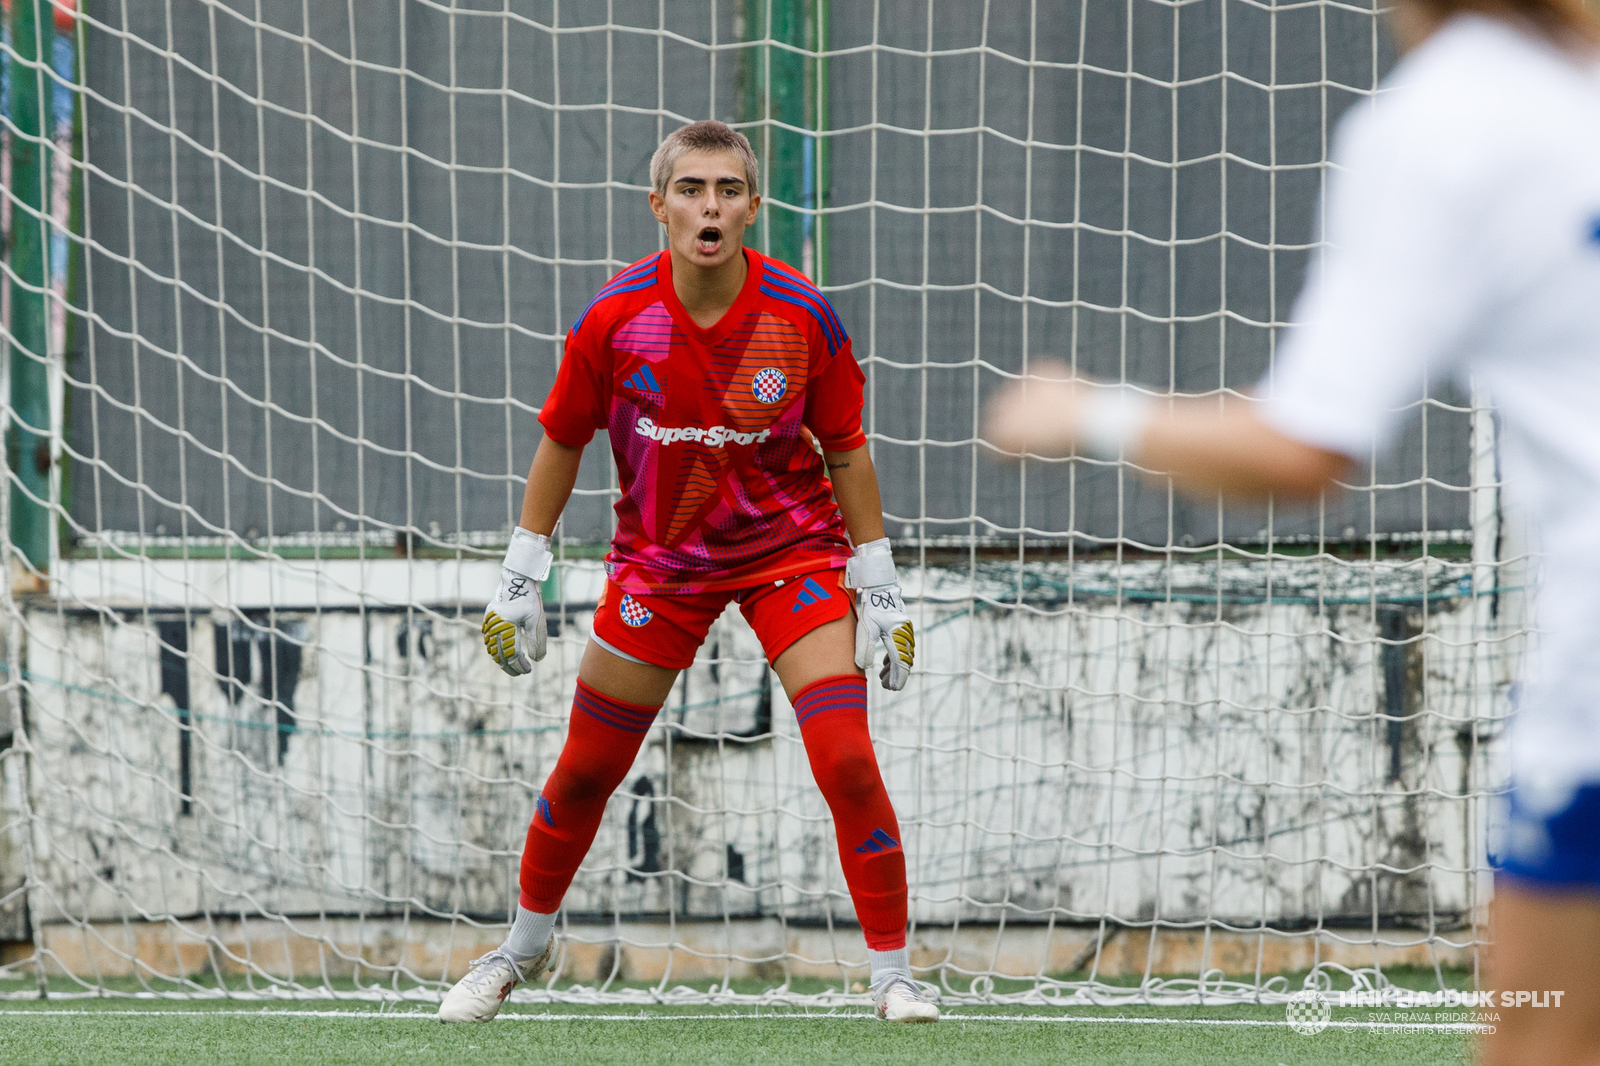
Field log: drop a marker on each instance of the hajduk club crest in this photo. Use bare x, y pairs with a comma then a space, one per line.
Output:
633, 612
769, 385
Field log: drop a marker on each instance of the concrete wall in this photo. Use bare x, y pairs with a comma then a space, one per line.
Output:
603, 957
1060, 755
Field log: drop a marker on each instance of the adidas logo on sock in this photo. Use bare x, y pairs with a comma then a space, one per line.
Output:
810, 593
643, 380
878, 841
541, 809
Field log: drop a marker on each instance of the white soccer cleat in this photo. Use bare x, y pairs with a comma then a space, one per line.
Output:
900, 999
479, 993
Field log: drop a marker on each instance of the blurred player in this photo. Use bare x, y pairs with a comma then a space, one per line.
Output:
720, 375
1463, 232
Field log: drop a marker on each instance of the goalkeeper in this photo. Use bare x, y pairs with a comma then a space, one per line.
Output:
719, 374
1463, 231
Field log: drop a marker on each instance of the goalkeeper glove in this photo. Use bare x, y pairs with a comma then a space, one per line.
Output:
881, 613
513, 625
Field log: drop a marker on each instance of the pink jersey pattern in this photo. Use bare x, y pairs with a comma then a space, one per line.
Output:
713, 428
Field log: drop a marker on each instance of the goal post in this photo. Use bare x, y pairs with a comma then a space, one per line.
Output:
1155, 749
783, 93
28, 151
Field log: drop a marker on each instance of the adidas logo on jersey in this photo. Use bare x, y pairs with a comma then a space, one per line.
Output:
710, 436
643, 381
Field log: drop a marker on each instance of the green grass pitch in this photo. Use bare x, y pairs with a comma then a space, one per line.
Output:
220, 1033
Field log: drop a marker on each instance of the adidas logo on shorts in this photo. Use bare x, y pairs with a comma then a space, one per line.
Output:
811, 593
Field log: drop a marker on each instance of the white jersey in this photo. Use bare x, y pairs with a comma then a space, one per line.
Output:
1464, 240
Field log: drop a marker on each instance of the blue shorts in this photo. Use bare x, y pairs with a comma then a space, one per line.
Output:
1557, 846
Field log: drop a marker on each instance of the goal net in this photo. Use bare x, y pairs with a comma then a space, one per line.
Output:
286, 285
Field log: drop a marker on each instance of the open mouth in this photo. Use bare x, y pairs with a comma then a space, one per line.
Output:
709, 240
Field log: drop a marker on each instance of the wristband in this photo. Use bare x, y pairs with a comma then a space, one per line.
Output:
528, 554
871, 566
1112, 421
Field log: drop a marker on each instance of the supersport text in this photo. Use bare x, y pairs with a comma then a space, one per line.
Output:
711, 436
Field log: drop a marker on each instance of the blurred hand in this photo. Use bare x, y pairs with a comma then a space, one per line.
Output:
1040, 414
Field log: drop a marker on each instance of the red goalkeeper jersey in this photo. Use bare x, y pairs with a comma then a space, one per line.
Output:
714, 430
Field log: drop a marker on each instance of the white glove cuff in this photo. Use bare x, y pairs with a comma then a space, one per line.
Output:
1113, 421
872, 565
529, 554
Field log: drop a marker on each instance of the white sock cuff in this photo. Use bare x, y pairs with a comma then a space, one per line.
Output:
898, 961
530, 932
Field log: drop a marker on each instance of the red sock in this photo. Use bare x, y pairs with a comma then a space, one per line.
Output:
833, 723
602, 740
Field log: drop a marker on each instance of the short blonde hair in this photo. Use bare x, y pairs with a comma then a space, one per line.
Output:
706, 136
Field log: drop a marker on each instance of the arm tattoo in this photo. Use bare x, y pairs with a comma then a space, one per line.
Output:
838, 466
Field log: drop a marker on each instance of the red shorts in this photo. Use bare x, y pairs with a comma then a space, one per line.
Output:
668, 630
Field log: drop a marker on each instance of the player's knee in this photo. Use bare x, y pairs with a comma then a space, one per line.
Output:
849, 777
584, 784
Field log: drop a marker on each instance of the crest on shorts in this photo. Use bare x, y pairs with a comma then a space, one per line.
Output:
633, 612
769, 385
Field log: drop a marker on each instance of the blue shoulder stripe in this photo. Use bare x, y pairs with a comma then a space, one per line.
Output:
805, 288
638, 270
777, 288
789, 273
805, 284
788, 296
607, 294
633, 273
630, 280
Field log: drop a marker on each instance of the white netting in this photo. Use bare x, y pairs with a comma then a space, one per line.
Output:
323, 258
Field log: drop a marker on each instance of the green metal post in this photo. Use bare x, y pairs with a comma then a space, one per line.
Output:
781, 85
75, 263
819, 122
28, 436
